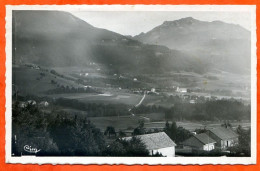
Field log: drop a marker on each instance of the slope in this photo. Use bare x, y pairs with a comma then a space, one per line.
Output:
224, 46
59, 39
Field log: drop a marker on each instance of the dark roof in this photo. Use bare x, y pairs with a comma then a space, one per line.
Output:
192, 142
224, 133
198, 140
155, 141
204, 138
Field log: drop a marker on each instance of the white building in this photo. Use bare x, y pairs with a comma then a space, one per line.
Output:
87, 86
31, 102
23, 104
44, 104
181, 90
158, 143
192, 101
225, 137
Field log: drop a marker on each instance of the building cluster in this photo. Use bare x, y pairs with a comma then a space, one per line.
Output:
216, 138
24, 104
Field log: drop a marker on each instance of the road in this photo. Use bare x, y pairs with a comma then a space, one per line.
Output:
141, 101
138, 104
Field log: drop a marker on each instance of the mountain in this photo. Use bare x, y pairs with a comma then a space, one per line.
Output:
59, 39
224, 46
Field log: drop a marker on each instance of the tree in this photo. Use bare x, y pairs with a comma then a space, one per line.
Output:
226, 124
177, 134
244, 140
75, 136
29, 127
199, 131
110, 131
167, 126
140, 130
121, 134
116, 148
243, 147
133, 147
182, 134
136, 147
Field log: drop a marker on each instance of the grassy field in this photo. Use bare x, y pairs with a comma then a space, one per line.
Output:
153, 116
215, 80
119, 123
105, 98
191, 126
37, 81
30, 81
130, 122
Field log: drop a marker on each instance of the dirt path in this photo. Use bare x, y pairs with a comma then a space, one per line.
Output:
138, 104
141, 101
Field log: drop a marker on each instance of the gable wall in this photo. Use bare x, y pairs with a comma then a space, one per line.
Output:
168, 151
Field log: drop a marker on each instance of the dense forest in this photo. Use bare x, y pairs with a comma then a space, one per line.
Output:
177, 134
210, 110
60, 134
64, 134
206, 111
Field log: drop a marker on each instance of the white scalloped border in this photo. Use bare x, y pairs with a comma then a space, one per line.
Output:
130, 160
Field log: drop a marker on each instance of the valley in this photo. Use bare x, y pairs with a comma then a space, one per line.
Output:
152, 90
183, 77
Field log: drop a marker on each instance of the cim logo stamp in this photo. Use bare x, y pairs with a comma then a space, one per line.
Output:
29, 149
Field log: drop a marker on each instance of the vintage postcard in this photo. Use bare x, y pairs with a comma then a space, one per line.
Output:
131, 84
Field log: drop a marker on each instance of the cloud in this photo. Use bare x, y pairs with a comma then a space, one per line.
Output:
133, 23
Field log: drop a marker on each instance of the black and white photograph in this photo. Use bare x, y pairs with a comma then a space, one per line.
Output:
122, 84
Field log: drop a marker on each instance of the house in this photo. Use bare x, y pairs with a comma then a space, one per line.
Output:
44, 104
192, 101
181, 90
23, 104
225, 137
87, 86
200, 142
157, 143
31, 102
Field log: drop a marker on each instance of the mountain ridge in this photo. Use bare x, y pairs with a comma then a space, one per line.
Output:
56, 38
228, 43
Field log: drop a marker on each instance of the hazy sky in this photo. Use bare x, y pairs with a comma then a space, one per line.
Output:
133, 23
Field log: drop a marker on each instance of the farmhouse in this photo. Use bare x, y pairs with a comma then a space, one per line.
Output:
23, 104
192, 101
200, 142
31, 102
225, 137
181, 90
158, 142
44, 104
